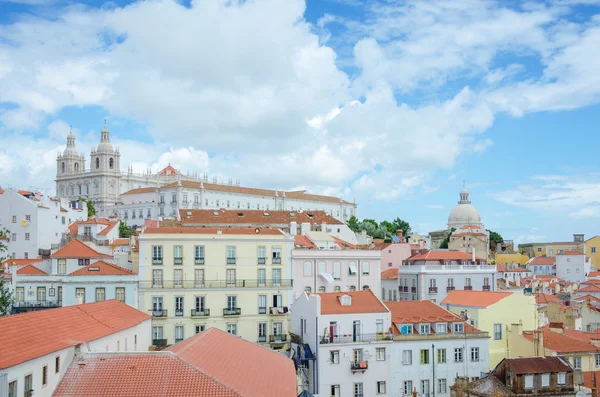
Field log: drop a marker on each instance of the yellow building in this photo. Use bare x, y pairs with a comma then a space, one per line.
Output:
592, 249
238, 280
533, 249
518, 258
494, 312
555, 248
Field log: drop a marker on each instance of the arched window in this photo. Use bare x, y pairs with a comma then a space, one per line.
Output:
307, 269
337, 288
79, 189
321, 289
72, 190
307, 289
97, 162
63, 167
322, 267
76, 167
353, 288
111, 163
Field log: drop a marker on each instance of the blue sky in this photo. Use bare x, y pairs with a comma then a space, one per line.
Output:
392, 103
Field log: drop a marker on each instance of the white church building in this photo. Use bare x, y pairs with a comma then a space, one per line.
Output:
136, 197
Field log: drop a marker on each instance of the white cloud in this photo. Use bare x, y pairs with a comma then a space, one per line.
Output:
586, 213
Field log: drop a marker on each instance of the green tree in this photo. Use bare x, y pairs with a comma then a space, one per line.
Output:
6, 298
124, 230
389, 227
353, 224
495, 238
399, 224
444, 243
90, 206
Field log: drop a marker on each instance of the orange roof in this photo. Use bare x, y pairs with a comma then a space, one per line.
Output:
463, 234
474, 298
590, 282
542, 260
303, 241
63, 210
31, 270
19, 262
589, 288
561, 343
251, 374
425, 311
503, 268
107, 229
544, 298
101, 268
390, 274
343, 244
73, 228
594, 274
202, 230
441, 255
571, 252
77, 249
168, 170
588, 379
254, 217
25, 339
140, 190
121, 241
471, 227
587, 298
362, 302
95, 221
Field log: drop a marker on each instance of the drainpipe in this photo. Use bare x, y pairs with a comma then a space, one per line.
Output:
433, 366
359, 271
316, 366
315, 275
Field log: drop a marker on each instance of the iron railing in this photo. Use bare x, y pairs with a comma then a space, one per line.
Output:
208, 284
380, 336
486, 288
232, 311
278, 311
231, 261
262, 338
359, 365
157, 261
276, 261
262, 261
38, 304
199, 261
159, 342
200, 313
178, 261
277, 338
448, 289
159, 313
262, 310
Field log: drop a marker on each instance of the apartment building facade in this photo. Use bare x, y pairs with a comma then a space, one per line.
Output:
234, 279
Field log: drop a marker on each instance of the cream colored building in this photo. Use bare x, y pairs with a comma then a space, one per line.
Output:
235, 279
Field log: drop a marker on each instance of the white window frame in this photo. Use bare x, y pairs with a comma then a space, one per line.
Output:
545, 379
406, 357
380, 353
528, 382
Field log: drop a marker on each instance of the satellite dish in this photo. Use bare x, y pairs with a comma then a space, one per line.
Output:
257, 230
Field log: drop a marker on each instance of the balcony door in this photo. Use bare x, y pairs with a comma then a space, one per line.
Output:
200, 304
333, 331
231, 277
231, 302
41, 294
157, 304
356, 331
277, 301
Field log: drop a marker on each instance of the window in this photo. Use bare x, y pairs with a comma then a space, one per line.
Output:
178, 333
178, 254
424, 329
12, 386
179, 306
41, 294
26, 236
458, 355
577, 362
408, 388
459, 328
199, 278
337, 288
307, 269
335, 390
365, 267
334, 356
157, 278
97, 162
358, 390
44, 375
62, 266
157, 332
539, 250
441, 356
199, 255
185, 198
474, 354
230, 277
14, 237
231, 254
407, 357
174, 198
406, 329
380, 353
381, 387
157, 255
29, 384
441, 328
200, 328
276, 255
468, 282
545, 380
14, 219
63, 220
232, 329
529, 381
20, 294
562, 378
261, 255
352, 288
442, 386
425, 356
276, 277
322, 289
100, 294
231, 302
178, 277
83, 261
497, 331
352, 268
597, 360
307, 290
593, 250
425, 387
120, 294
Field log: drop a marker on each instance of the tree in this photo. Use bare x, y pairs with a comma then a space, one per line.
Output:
353, 224
90, 206
389, 227
495, 237
6, 299
124, 230
444, 243
402, 225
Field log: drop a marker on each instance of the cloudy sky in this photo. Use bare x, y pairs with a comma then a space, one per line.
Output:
392, 103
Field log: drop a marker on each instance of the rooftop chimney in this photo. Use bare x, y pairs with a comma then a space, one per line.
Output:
399, 234
473, 254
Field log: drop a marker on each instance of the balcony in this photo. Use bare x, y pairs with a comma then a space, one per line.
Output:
200, 313
157, 261
178, 261
486, 288
159, 313
349, 338
28, 393
178, 313
468, 288
262, 338
262, 261
36, 304
231, 261
199, 261
277, 261
262, 310
236, 311
277, 339
159, 342
433, 290
278, 311
196, 206
404, 289
215, 284
413, 290
359, 366
449, 289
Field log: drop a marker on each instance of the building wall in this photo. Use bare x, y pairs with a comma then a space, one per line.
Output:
513, 309
389, 290
533, 250
557, 249
592, 249
215, 288
393, 255
517, 258
572, 268
469, 243
542, 269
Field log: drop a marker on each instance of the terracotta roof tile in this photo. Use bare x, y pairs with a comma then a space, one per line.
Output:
571, 252
250, 374
415, 312
95, 221
121, 241
140, 191
202, 230
589, 288
541, 260
588, 379
474, 298
303, 241
168, 171
362, 302
441, 255
561, 343
77, 249
504, 268
587, 298
101, 268
107, 229
63, 210
464, 234
470, 227
343, 244
73, 229
566, 243
31, 270
580, 335
19, 262
254, 217
545, 298
594, 274
24, 339
390, 274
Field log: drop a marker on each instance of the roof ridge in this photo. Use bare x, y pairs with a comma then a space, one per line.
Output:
100, 255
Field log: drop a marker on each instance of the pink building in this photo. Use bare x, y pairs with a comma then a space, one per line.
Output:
392, 255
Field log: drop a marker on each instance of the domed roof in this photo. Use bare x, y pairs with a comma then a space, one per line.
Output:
70, 150
105, 145
464, 213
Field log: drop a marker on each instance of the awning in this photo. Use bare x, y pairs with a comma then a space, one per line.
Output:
327, 277
308, 354
352, 266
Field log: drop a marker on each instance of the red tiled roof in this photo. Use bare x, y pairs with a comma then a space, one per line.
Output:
390, 274
19, 262
589, 288
588, 379
101, 268
587, 298
343, 244
440, 255
77, 249
470, 227
168, 170
202, 230
150, 374
121, 241
594, 274
31, 270
63, 210
415, 312
95, 221
463, 234
542, 260
303, 241
571, 252
561, 343
566, 243
255, 217
255, 371
503, 268
580, 335
474, 298
24, 192
25, 336
73, 228
537, 365
139, 191
362, 302
590, 282
544, 298
107, 229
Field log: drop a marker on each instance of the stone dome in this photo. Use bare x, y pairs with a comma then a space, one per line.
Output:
70, 150
105, 145
464, 213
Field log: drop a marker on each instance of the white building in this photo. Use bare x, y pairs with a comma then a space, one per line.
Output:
464, 214
349, 334
40, 346
542, 265
389, 285
36, 222
509, 275
432, 274
572, 266
432, 346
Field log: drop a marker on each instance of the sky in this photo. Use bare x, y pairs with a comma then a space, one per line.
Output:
394, 104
